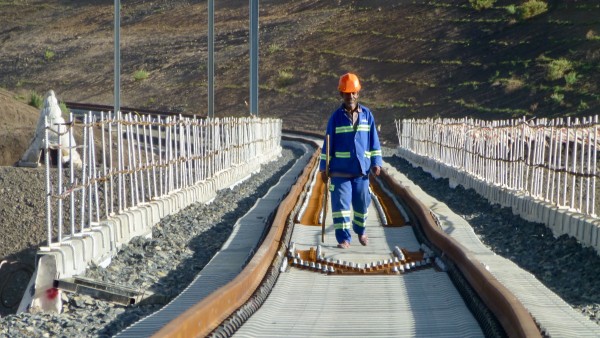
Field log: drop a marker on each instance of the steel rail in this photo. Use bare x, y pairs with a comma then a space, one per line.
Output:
208, 314
511, 313
204, 317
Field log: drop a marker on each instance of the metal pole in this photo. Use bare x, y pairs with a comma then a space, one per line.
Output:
117, 47
211, 55
254, 57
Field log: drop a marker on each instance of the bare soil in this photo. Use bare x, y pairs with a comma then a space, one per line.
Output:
438, 58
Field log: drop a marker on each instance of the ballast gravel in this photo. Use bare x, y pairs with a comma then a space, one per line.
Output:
561, 264
183, 243
180, 247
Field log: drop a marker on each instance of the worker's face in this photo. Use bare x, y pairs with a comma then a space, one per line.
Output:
350, 99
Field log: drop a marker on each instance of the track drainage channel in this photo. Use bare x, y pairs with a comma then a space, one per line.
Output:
107, 291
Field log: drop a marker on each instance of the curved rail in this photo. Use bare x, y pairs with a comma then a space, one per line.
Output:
207, 315
513, 316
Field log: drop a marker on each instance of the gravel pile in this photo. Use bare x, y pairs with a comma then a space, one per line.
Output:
182, 244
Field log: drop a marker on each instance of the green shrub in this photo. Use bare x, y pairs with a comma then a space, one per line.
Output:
532, 8
481, 4
273, 48
35, 100
140, 75
285, 78
557, 97
512, 84
571, 78
557, 69
582, 106
511, 9
591, 35
48, 54
63, 108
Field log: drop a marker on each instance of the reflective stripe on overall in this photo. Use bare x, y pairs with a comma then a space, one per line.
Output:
350, 198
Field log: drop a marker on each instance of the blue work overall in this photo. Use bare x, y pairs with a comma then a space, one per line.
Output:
354, 150
350, 199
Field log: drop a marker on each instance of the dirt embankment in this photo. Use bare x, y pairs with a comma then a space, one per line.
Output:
17, 126
22, 190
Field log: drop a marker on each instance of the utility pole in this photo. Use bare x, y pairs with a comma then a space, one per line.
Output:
211, 63
117, 71
254, 57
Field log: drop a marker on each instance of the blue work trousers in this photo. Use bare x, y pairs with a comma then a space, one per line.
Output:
350, 199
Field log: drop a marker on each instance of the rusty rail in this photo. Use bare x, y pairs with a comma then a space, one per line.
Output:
206, 316
512, 315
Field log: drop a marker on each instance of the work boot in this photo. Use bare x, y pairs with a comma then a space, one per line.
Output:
344, 245
363, 239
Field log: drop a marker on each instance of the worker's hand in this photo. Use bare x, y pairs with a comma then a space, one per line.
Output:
376, 170
324, 176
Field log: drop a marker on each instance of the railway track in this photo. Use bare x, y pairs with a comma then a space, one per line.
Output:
397, 286
412, 280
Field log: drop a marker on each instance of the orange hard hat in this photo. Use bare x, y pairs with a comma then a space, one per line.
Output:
349, 83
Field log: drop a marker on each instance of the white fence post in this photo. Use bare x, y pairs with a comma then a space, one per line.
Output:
540, 158
155, 157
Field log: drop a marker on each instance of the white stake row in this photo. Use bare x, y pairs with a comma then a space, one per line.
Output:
128, 160
551, 160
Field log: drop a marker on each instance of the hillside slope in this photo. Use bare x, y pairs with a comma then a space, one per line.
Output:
417, 58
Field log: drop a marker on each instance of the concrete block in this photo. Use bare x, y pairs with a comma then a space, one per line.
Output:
184, 198
553, 222
74, 253
84, 243
194, 192
103, 236
163, 207
147, 216
595, 240
57, 257
111, 229
179, 201
136, 220
502, 197
46, 271
121, 229
154, 213
544, 211
563, 220
586, 231
570, 223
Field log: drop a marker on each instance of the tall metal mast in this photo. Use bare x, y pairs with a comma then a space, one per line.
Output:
117, 47
254, 57
211, 62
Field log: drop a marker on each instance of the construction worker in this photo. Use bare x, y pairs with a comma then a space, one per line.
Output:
354, 152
